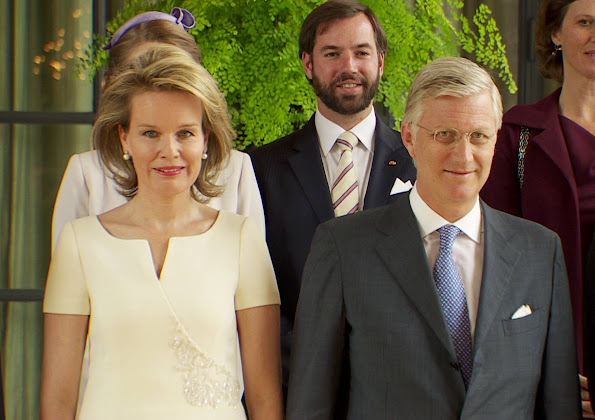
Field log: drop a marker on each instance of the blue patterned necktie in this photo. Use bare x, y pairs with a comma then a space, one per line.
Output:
454, 303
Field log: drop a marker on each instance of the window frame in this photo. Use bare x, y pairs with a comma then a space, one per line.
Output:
100, 18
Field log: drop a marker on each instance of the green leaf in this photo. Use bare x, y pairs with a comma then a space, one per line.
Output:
251, 48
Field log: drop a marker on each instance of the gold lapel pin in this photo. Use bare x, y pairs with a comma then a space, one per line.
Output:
392, 163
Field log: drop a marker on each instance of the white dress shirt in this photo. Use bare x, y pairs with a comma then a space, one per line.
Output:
467, 249
363, 153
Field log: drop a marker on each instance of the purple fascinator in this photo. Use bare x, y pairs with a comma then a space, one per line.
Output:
178, 16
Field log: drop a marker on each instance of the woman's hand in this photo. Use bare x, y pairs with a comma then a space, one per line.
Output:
586, 401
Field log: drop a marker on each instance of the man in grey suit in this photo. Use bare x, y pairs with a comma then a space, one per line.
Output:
446, 308
342, 46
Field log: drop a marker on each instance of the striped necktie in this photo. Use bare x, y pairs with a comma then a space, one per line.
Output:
454, 302
345, 191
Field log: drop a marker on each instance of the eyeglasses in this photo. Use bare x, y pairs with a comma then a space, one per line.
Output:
451, 136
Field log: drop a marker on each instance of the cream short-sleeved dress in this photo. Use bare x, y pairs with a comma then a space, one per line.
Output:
162, 347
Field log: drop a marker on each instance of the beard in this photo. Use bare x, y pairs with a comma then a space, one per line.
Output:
345, 104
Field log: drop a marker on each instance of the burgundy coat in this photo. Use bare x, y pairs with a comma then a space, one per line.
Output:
549, 194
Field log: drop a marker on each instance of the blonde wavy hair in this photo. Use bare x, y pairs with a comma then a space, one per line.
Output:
162, 68
450, 76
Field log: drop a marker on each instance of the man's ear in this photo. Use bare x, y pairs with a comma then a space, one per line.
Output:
407, 137
307, 64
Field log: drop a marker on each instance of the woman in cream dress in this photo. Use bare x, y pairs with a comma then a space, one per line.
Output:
86, 189
179, 300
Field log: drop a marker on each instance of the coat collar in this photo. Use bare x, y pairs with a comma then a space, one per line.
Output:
546, 132
390, 158
499, 261
411, 269
306, 163
540, 115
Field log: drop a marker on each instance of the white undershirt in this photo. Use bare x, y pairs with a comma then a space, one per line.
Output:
363, 152
468, 247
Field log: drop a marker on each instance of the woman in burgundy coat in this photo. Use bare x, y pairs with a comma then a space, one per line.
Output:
544, 164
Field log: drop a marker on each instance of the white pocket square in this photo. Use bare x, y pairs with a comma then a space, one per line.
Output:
400, 186
522, 312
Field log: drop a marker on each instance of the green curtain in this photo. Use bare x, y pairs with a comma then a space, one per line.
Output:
32, 159
5, 22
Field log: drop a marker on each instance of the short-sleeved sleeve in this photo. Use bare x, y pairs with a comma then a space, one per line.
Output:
249, 202
66, 289
257, 285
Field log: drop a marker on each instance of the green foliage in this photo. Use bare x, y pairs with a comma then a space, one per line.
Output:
251, 48
486, 43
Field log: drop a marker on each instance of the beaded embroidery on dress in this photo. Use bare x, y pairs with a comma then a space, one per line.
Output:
206, 383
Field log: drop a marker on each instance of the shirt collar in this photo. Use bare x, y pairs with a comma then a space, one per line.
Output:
430, 221
328, 131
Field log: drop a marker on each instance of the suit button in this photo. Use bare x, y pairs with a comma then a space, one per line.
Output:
455, 366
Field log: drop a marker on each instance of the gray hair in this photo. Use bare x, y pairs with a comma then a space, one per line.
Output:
450, 76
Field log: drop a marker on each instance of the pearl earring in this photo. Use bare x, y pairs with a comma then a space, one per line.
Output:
205, 156
126, 156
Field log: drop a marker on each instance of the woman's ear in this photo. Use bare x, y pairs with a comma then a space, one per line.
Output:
555, 38
123, 139
206, 140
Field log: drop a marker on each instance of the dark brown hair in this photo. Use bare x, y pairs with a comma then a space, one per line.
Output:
330, 12
550, 18
152, 31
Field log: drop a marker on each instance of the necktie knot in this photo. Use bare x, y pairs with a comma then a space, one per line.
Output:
347, 141
448, 234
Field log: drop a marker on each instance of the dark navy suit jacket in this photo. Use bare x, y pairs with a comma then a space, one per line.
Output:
296, 199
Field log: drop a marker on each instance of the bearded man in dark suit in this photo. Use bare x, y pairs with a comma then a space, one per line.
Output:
342, 48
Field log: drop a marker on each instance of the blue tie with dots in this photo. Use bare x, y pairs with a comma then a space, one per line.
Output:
454, 303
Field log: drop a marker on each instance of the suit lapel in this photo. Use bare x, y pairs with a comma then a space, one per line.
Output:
402, 251
556, 151
410, 268
307, 166
388, 147
500, 260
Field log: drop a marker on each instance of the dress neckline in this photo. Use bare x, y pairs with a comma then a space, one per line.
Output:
108, 233
147, 246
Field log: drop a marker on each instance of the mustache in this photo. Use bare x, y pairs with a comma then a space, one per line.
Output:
345, 76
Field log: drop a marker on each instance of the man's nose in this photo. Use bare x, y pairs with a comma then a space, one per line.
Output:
349, 64
463, 148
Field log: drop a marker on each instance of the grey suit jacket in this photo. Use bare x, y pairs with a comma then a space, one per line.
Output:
368, 292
